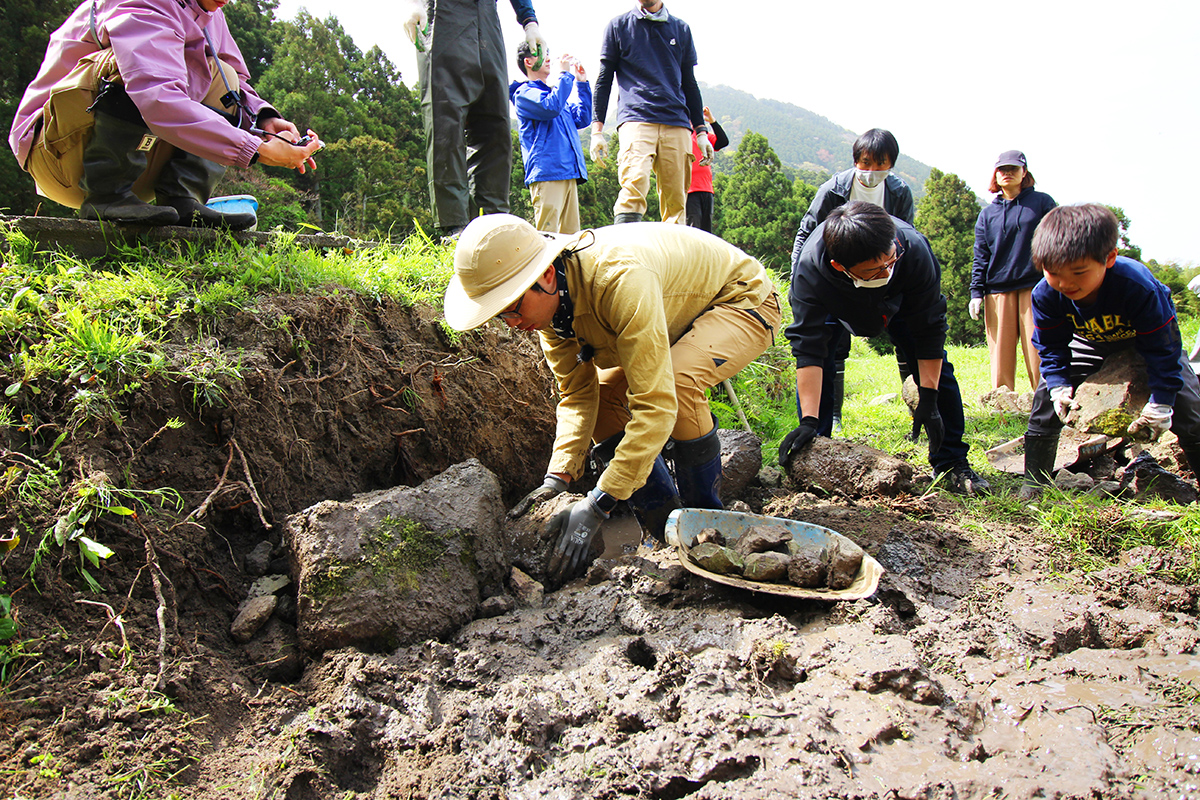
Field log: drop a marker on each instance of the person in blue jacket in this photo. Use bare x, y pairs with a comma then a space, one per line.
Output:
1089, 305
1003, 277
871, 273
870, 180
550, 113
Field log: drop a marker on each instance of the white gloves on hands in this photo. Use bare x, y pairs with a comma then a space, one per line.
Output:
417, 23
1194, 285
975, 307
1064, 401
533, 37
706, 148
1155, 420
599, 146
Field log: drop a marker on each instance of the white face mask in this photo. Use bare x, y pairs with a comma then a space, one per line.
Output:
871, 178
874, 283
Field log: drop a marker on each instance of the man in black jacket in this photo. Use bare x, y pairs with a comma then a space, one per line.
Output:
872, 272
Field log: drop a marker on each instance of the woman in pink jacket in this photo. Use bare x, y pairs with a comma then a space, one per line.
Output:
147, 99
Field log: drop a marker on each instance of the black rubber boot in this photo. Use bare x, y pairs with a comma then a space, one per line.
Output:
655, 501
657, 498
186, 183
1039, 464
839, 394
698, 470
628, 216
111, 164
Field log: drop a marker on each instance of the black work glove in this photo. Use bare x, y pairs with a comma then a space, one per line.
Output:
927, 416
795, 441
551, 487
576, 527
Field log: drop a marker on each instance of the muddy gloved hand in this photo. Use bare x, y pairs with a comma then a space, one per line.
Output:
551, 487
795, 441
1155, 420
927, 416
576, 527
1064, 402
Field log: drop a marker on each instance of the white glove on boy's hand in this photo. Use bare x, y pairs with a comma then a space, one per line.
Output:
417, 22
1155, 420
1194, 285
975, 306
1064, 401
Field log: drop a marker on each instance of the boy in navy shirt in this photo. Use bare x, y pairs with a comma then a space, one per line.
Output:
1090, 304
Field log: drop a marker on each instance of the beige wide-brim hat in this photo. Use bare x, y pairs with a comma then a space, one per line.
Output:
498, 257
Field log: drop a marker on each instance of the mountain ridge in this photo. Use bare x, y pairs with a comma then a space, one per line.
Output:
803, 139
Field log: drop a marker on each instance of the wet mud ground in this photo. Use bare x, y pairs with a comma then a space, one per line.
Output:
981, 669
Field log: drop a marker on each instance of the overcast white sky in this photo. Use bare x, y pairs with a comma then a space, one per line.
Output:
1101, 96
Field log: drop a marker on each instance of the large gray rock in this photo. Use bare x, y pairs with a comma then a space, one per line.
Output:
840, 467
1113, 397
741, 459
398, 565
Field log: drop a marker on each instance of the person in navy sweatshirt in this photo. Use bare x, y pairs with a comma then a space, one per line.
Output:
1090, 304
1003, 276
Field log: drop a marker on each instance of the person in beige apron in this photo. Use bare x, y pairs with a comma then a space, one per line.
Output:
147, 100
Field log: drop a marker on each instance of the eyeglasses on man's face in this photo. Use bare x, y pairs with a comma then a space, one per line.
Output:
513, 314
882, 268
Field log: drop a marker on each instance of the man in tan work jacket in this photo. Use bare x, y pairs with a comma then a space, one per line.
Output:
636, 322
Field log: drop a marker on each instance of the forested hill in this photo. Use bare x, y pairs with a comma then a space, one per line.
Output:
802, 139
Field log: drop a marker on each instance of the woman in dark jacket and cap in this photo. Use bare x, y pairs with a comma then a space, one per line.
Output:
1003, 275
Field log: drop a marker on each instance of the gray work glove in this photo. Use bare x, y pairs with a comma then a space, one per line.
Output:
551, 487
576, 527
928, 417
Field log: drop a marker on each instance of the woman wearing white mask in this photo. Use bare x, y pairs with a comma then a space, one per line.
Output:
870, 180
1003, 275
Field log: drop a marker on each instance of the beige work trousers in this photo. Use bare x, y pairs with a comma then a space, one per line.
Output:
56, 158
720, 343
1008, 318
555, 206
667, 151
